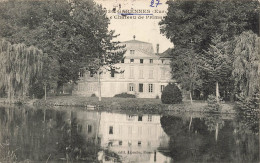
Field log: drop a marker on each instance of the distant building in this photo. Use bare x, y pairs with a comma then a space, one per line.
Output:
144, 73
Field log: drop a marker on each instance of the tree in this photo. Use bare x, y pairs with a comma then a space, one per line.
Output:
184, 68
216, 63
19, 68
246, 65
72, 33
201, 21
171, 94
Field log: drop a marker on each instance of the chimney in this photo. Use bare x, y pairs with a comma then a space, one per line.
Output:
134, 37
157, 49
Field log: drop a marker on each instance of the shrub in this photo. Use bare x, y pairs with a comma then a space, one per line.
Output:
213, 104
125, 95
171, 94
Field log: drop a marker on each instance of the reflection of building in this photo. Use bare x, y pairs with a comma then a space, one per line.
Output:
135, 138
143, 73
87, 124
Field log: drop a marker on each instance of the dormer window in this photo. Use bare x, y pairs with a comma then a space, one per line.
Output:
162, 60
132, 51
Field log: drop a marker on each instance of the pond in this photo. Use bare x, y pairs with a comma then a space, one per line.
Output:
77, 135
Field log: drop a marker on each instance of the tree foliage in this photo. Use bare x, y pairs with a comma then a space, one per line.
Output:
73, 34
205, 30
246, 65
185, 70
199, 21
19, 67
171, 94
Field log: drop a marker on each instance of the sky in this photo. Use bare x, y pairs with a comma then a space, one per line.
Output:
145, 29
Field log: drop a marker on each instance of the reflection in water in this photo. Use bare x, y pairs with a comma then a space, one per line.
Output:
200, 145
136, 138
79, 136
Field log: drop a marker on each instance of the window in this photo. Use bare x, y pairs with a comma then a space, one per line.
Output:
151, 60
141, 72
150, 74
81, 72
89, 128
132, 51
131, 72
141, 87
131, 87
163, 73
110, 130
162, 60
141, 61
112, 73
139, 130
130, 117
149, 118
132, 60
162, 88
140, 118
149, 143
139, 143
91, 72
129, 143
120, 142
150, 88
122, 61
110, 143
129, 130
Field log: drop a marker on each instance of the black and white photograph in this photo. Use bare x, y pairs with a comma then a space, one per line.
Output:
129, 81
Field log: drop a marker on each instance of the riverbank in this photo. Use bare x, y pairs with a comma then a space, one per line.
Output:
134, 104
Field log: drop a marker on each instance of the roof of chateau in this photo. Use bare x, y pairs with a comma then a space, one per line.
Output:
166, 53
144, 47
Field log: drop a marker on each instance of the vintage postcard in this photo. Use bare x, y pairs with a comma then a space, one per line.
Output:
131, 81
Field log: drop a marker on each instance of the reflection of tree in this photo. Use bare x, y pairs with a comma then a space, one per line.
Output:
214, 123
41, 134
199, 145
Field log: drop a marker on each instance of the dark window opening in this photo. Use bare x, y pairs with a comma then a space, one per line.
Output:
139, 143
89, 128
122, 61
120, 143
141, 61
151, 60
112, 73
91, 72
110, 129
140, 118
141, 87
131, 60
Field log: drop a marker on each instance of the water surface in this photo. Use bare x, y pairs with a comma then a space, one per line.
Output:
76, 135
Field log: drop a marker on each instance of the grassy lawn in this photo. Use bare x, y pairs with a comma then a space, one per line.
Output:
126, 104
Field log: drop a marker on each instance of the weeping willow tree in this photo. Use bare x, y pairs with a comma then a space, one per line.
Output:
19, 67
246, 65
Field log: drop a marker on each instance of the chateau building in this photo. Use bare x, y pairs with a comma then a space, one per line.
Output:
142, 72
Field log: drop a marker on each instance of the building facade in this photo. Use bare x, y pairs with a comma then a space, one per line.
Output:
142, 72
